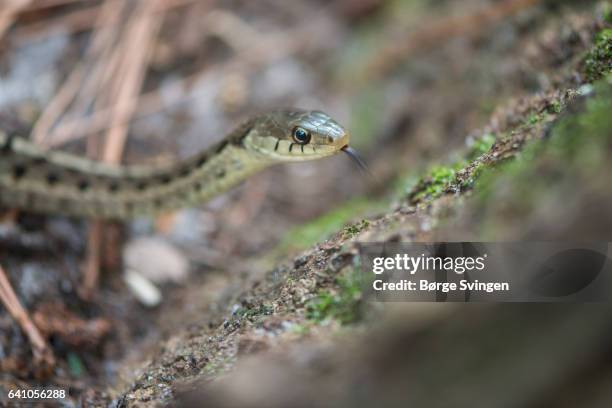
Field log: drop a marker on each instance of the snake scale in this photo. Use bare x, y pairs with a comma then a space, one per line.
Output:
38, 180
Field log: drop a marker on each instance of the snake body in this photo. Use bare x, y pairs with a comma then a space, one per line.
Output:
38, 180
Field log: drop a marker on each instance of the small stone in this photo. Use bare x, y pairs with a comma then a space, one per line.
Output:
143, 289
156, 260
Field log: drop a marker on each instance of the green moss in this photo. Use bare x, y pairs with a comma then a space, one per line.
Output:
433, 184
344, 305
321, 307
476, 173
586, 131
598, 62
312, 232
578, 145
442, 175
481, 146
534, 118
440, 178
253, 312
555, 107
300, 329
351, 230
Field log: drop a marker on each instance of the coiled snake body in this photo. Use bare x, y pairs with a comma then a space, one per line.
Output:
55, 182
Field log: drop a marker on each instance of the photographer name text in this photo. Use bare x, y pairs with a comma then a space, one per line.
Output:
402, 264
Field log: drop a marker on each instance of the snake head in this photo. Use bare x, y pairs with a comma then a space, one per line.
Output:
296, 135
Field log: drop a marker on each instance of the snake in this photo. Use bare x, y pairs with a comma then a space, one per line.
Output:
52, 181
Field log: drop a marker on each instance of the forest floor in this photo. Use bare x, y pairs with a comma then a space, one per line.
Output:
299, 333
269, 329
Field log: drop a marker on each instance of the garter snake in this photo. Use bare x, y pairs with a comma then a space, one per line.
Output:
38, 180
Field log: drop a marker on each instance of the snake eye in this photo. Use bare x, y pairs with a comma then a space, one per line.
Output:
301, 135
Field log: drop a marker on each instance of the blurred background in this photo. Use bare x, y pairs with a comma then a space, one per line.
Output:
153, 81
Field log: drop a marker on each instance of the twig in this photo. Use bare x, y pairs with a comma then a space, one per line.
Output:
43, 355
92, 260
138, 51
8, 13
131, 58
71, 22
256, 55
105, 57
44, 4
78, 20
69, 89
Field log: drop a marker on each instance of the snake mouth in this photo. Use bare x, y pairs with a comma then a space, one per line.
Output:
356, 158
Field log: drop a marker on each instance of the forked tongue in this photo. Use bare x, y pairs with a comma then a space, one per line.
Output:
352, 153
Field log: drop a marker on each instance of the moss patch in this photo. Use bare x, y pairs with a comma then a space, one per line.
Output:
321, 228
351, 230
577, 145
581, 139
598, 62
481, 146
254, 312
534, 118
344, 304
440, 179
433, 185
